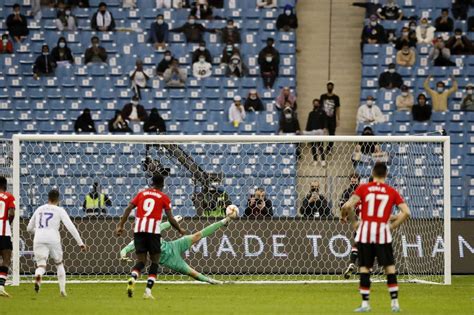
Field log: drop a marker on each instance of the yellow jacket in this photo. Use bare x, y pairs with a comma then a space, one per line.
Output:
440, 100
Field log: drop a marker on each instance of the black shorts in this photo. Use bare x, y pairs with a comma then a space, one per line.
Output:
368, 252
147, 243
6, 243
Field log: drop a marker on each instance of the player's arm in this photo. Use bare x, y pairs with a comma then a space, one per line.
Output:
31, 225
401, 217
348, 212
72, 229
124, 218
173, 222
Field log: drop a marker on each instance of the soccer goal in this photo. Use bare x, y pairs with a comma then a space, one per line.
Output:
289, 190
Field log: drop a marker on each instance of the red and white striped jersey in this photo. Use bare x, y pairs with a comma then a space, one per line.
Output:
377, 201
7, 202
150, 204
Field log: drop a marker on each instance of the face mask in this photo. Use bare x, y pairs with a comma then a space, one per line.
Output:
424, 25
405, 93
457, 36
229, 49
202, 48
62, 44
45, 53
235, 61
191, 21
391, 70
370, 103
406, 51
405, 33
253, 97
167, 58
288, 116
373, 23
230, 26
4, 41
68, 12
269, 59
413, 28
469, 91
440, 89
135, 103
288, 12
202, 60
159, 21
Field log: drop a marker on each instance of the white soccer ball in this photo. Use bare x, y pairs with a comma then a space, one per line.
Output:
232, 211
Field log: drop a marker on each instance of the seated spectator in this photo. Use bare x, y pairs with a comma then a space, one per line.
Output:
412, 32
373, 33
95, 53
170, 4
315, 205
230, 34
236, 67
269, 49
267, 4
289, 121
102, 20
369, 113
61, 53
159, 33
391, 37
444, 23
368, 152
440, 96
193, 32
425, 32
390, 11
65, 20
287, 21
405, 100
460, 8
269, 70
201, 10
440, 55
6, 45
406, 57
139, 78
202, 68
259, 206
459, 44
84, 122
96, 202
129, 4
317, 125
286, 97
421, 111
228, 52
133, 111
253, 103
174, 76
468, 100
118, 124
202, 51
390, 79
165, 63
154, 123
405, 39
236, 112
44, 64
17, 24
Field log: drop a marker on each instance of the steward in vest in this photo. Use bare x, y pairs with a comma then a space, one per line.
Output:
96, 202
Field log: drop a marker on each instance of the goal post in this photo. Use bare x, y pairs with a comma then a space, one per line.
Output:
301, 239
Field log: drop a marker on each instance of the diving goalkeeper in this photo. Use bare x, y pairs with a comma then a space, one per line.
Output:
171, 252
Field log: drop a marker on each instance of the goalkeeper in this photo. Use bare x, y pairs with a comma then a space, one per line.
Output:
171, 252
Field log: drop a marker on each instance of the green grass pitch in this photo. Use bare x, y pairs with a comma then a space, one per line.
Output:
87, 299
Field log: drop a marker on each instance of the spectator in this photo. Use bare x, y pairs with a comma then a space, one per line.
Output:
390, 79
331, 106
174, 76
468, 100
269, 70
412, 32
230, 34
169, 4
390, 11
192, 31
315, 205
369, 113
259, 206
368, 152
287, 21
165, 63
133, 111
286, 97
211, 201
440, 96
459, 44
202, 68
216, 3
460, 8
102, 20
202, 51
95, 53
129, 4
425, 32
61, 53
159, 33
317, 125
236, 112
154, 123
373, 33
84, 122
35, 11
236, 67
289, 122
201, 10
6, 45
17, 24
118, 124
347, 194
253, 103
391, 37
444, 23
65, 20
440, 55
405, 39
406, 57
421, 111
405, 100
267, 4
139, 78
228, 52
96, 202
269, 50
44, 64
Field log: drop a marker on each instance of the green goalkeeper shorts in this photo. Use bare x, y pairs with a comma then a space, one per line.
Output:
171, 254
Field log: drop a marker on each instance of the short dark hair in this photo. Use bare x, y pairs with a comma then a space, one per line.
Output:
53, 195
380, 170
3, 183
316, 99
355, 175
94, 37
158, 180
16, 5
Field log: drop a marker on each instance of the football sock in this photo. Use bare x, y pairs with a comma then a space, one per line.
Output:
152, 271
212, 228
354, 255
137, 269
364, 288
392, 285
61, 277
40, 271
3, 275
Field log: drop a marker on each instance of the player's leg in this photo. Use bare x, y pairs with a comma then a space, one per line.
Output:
352, 261
41, 254
6, 254
140, 243
385, 258
56, 253
154, 249
366, 261
200, 277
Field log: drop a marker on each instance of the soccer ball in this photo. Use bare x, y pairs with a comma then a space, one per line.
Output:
232, 211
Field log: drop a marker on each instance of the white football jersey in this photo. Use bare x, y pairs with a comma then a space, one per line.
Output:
45, 224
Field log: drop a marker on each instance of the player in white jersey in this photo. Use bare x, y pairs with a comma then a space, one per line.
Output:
45, 224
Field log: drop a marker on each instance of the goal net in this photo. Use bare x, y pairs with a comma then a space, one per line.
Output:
290, 233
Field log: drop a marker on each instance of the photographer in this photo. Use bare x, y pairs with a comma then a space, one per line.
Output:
315, 205
258, 206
